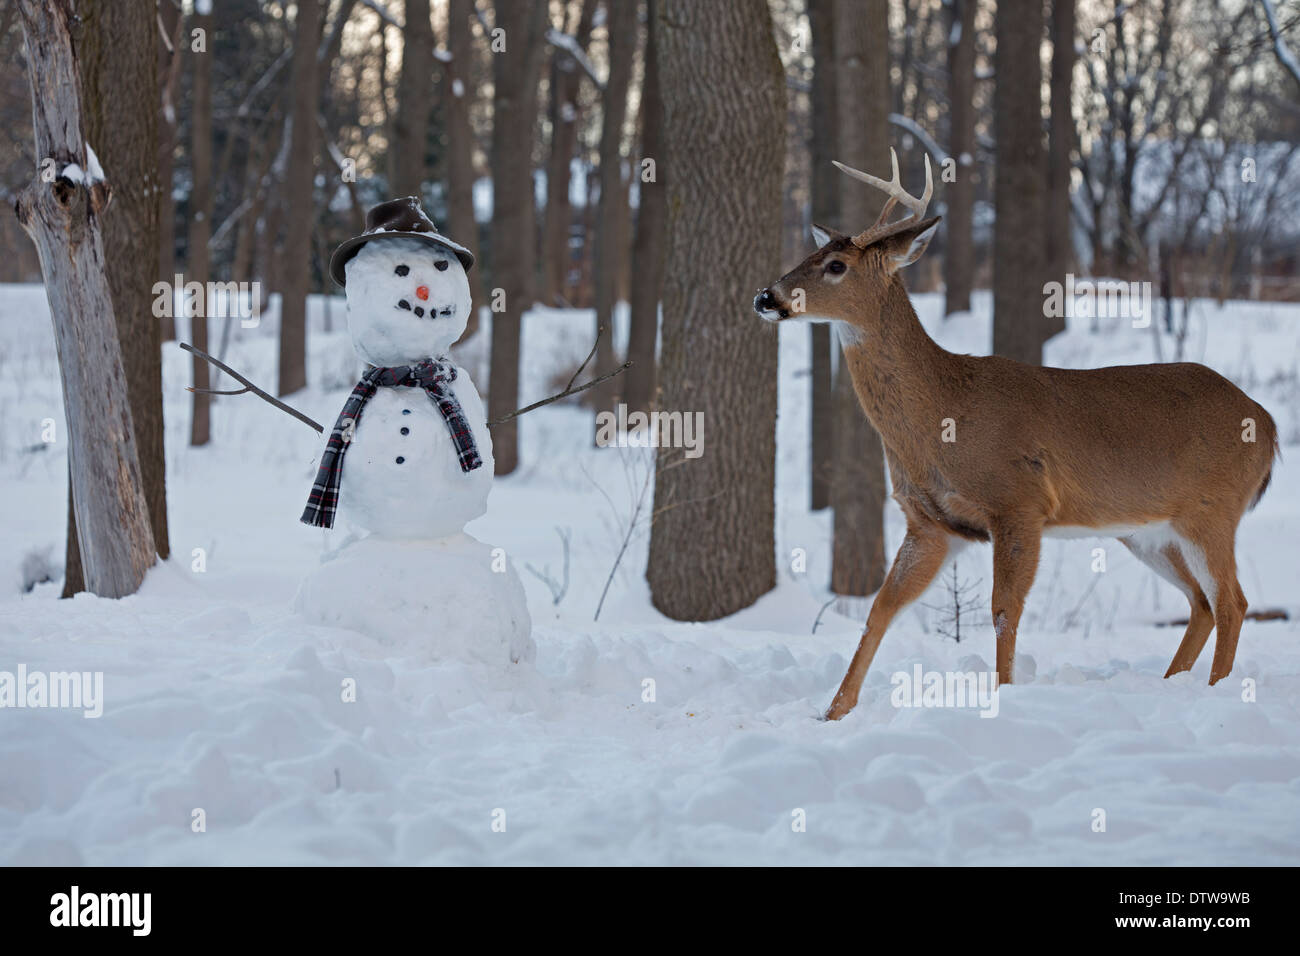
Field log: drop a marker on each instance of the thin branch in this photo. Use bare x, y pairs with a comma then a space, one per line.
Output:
564, 394
320, 428
573, 378
250, 388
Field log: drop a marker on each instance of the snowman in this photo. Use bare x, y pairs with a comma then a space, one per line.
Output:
409, 461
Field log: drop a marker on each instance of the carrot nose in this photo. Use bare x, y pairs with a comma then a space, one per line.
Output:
422, 293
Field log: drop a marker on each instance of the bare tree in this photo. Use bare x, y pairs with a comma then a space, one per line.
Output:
116, 59
1019, 326
858, 487
61, 213
459, 145
516, 69
566, 82
651, 237
621, 29
959, 251
825, 212
198, 256
1060, 166
411, 121
170, 22
711, 540
296, 270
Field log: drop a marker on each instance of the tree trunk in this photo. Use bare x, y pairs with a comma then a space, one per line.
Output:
299, 216
74, 578
411, 122
651, 238
825, 212
116, 58
62, 216
1019, 328
515, 73
198, 257
712, 550
1061, 142
566, 80
461, 224
959, 254
858, 487
169, 69
620, 23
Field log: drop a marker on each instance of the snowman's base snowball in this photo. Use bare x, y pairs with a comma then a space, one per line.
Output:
437, 598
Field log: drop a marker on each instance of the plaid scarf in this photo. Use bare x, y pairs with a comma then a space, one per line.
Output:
432, 376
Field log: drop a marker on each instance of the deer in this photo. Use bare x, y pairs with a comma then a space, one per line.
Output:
1165, 458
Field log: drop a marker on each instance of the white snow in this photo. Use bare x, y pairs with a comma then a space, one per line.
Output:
219, 696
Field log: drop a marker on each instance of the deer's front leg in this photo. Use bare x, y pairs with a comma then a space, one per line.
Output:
918, 560
1015, 562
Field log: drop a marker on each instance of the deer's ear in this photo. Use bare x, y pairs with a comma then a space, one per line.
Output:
822, 235
905, 246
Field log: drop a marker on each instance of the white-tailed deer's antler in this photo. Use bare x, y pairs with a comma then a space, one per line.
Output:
897, 195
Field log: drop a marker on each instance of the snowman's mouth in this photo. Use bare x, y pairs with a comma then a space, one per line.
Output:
419, 310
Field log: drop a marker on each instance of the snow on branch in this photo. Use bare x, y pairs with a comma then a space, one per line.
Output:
928, 141
570, 45
1285, 56
384, 15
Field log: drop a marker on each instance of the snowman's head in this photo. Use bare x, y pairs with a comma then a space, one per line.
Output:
407, 300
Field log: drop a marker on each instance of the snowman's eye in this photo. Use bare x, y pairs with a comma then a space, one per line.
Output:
441, 265
402, 270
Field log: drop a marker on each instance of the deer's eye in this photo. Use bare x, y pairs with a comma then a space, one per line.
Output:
835, 267
402, 270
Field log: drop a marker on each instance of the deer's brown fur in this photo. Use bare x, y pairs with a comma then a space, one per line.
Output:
1155, 455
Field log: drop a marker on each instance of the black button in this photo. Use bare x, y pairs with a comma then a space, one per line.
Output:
406, 411
400, 459
406, 431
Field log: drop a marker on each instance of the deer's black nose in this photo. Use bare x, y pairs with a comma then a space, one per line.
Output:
765, 301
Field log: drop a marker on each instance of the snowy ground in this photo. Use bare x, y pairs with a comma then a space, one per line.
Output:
218, 697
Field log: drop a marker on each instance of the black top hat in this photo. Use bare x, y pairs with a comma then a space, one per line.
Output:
397, 218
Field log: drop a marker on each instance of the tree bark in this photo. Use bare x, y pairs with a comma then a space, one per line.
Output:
1019, 328
198, 257
825, 212
299, 216
712, 549
515, 73
566, 81
858, 487
1061, 141
651, 236
116, 57
959, 257
461, 224
62, 215
411, 122
620, 23
169, 68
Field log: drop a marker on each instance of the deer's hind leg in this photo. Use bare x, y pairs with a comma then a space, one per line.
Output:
919, 559
1164, 555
